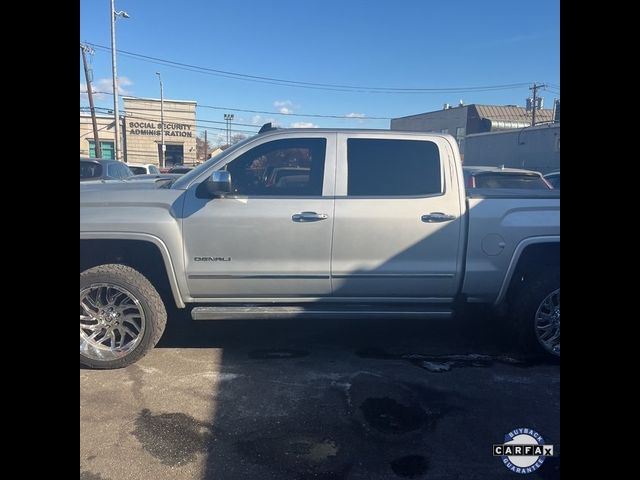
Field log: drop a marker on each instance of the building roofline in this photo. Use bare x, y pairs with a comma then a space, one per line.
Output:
512, 130
101, 115
434, 111
147, 99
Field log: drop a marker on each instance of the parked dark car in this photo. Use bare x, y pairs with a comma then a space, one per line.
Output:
100, 169
554, 179
500, 177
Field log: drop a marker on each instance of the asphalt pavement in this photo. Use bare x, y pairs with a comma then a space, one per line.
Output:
322, 399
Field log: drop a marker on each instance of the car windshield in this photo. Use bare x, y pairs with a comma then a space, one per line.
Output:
187, 178
510, 180
90, 170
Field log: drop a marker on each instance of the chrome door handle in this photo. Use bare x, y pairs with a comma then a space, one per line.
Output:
435, 217
309, 217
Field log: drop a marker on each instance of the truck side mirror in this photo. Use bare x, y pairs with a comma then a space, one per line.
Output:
219, 183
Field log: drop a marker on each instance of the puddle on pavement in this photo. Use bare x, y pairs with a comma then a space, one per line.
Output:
173, 438
388, 416
411, 466
275, 354
444, 363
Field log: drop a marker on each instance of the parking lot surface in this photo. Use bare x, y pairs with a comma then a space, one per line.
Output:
329, 400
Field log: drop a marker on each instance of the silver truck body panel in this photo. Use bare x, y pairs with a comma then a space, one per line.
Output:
367, 249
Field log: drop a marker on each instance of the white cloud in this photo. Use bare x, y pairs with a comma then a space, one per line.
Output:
284, 106
358, 117
260, 120
303, 125
103, 88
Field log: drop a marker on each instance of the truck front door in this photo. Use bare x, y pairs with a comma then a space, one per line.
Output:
272, 236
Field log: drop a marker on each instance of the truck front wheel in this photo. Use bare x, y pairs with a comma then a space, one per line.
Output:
536, 311
122, 316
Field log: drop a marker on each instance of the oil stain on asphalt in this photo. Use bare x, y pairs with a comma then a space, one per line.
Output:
173, 438
388, 416
86, 475
444, 363
410, 466
276, 354
307, 455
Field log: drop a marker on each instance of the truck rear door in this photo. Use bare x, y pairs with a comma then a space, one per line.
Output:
399, 218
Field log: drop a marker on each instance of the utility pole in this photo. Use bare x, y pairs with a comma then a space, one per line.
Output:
206, 147
163, 148
535, 102
124, 136
114, 71
96, 138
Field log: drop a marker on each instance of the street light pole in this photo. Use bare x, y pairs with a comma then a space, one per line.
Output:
163, 148
228, 117
114, 72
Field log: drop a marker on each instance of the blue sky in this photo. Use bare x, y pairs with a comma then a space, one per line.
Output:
404, 44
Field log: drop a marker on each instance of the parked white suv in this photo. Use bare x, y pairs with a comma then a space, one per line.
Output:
143, 168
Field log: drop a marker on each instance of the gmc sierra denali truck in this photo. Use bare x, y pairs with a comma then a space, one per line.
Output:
314, 223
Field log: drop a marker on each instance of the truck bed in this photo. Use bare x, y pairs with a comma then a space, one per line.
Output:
501, 224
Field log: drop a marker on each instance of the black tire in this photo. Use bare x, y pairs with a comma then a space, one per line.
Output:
537, 286
149, 299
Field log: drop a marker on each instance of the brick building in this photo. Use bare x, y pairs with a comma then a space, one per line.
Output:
142, 132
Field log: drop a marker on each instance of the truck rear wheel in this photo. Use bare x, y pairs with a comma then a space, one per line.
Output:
536, 311
122, 316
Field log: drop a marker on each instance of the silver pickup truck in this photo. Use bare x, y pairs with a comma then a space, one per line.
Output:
314, 223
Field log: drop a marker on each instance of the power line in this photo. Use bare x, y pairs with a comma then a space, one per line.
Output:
311, 115
317, 86
131, 114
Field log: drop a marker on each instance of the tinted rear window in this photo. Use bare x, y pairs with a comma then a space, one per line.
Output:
138, 170
90, 170
502, 180
378, 167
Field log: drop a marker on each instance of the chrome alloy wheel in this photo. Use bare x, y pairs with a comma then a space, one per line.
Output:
112, 321
547, 323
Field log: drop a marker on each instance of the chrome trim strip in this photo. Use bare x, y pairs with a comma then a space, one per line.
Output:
199, 299
394, 275
260, 277
222, 313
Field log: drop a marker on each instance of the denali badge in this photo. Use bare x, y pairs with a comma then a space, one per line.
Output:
211, 259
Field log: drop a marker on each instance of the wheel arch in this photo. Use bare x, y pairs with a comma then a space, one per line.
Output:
143, 252
530, 253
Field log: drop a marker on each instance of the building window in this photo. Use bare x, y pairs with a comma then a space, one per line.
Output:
107, 150
174, 155
382, 168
